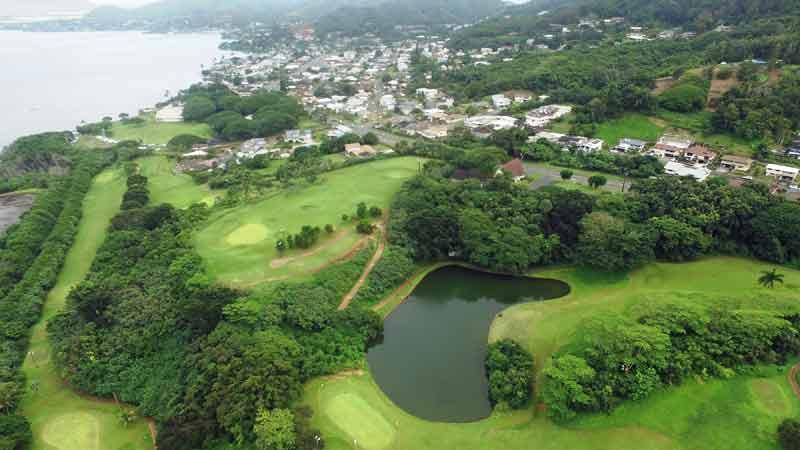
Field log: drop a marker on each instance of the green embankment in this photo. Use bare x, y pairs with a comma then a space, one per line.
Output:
177, 189
712, 414
238, 245
152, 132
61, 418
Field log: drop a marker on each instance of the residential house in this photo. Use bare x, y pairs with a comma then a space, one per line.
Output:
699, 154
359, 151
590, 145
434, 132
303, 137
549, 136
626, 145
680, 169
793, 150
500, 101
514, 168
339, 131
733, 163
671, 147
782, 173
543, 116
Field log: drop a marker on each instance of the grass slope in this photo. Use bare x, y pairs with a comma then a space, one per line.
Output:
238, 245
152, 132
166, 186
62, 419
742, 412
632, 126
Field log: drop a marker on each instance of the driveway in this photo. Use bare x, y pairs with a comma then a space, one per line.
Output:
546, 176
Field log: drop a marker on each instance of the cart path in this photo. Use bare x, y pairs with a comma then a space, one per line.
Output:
793, 380
367, 270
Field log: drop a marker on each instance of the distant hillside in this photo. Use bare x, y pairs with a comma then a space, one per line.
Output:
388, 14
696, 15
42, 7
199, 12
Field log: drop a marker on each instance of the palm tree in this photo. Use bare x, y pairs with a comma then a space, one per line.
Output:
768, 278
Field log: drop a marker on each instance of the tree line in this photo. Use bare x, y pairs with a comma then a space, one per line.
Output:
216, 367
39, 244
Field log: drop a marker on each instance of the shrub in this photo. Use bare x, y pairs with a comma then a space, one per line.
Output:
789, 434
509, 368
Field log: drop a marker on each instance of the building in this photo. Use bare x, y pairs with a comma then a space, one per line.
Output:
630, 146
500, 101
549, 136
699, 154
170, 113
680, 169
590, 145
543, 116
519, 96
339, 131
303, 137
733, 163
782, 173
359, 151
489, 124
671, 147
434, 132
514, 168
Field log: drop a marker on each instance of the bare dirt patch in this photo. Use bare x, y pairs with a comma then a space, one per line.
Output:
12, 207
719, 88
662, 84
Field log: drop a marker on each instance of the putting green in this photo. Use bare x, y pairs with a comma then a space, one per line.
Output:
359, 420
251, 233
769, 397
78, 430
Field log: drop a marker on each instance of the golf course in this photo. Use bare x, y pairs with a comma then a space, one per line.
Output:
705, 413
238, 245
167, 186
61, 418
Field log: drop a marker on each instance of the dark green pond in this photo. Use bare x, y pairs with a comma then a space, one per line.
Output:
430, 362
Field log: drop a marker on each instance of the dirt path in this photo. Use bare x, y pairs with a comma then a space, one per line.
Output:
367, 270
793, 380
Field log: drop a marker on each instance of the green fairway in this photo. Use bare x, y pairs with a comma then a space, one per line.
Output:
167, 186
632, 126
358, 419
152, 132
742, 412
61, 419
238, 245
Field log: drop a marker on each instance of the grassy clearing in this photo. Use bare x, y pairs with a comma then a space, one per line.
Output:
632, 126
238, 245
152, 132
697, 124
177, 189
61, 419
742, 412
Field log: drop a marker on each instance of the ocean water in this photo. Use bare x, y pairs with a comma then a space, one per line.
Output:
53, 81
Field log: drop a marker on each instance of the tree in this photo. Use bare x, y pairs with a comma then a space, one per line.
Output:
566, 174
361, 210
198, 108
274, 430
611, 244
789, 434
567, 390
596, 181
768, 278
370, 139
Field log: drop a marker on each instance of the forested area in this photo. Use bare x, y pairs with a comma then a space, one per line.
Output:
505, 227
46, 152
659, 343
33, 253
216, 368
226, 112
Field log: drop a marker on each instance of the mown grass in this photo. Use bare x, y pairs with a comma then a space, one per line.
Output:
60, 417
632, 126
238, 245
152, 132
742, 412
167, 186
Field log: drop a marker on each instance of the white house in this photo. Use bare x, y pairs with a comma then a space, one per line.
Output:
500, 101
686, 170
782, 173
543, 116
590, 145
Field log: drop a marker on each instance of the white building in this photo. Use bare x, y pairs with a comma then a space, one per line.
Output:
543, 116
492, 123
590, 145
782, 173
170, 113
675, 168
500, 101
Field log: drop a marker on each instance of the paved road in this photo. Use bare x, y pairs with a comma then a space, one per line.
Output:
386, 138
546, 176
